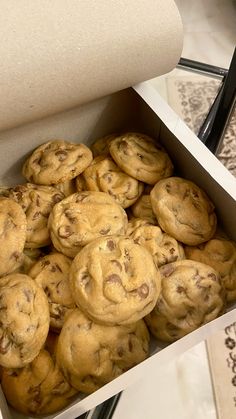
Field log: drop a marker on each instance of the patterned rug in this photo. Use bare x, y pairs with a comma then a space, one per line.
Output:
191, 98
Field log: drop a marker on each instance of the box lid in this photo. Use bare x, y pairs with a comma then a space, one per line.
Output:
57, 55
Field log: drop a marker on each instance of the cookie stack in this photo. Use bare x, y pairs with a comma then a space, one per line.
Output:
98, 247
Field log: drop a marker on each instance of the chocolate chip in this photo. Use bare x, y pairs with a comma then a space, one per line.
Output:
105, 231
120, 351
45, 263
36, 215
168, 188
28, 294
172, 250
47, 292
124, 146
167, 270
57, 197
212, 276
111, 244
130, 345
58, 267
126, 266
61, 155
15, 255
143, 291
186, 193
85, 278
180, 289
64, 231
5, 344
107, 177
113, 278
81, 197
70, 216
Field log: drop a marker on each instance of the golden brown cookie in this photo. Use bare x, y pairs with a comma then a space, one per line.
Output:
183, 210
82, 217
37, 389
163, 248
191, 296
141, 157
37, 201
52, 274
142, 208
12, 235
115, 281
90, 355
105, 176
24, 320
101, 146
56, 162
220, 254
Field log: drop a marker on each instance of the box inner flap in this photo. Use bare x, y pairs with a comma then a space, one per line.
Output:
57, 57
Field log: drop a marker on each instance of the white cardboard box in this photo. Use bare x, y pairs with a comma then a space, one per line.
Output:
141, 109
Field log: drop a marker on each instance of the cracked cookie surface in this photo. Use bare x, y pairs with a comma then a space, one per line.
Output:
39, 388
56, 162
191, 296
12, 235
183, 210
90, 355
82, 217
24, 320
52, 274
141, 157
37, 202
105, 176
114, 280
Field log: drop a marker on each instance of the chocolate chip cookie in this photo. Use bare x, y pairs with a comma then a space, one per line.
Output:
82, 217
114, 280
191, 296
37, 202
163, 248
90, 355
101, 146
141, 157
24, 320
52, 274
105, 176
38, 388
183, 210
12, 235
56, 161
220, 254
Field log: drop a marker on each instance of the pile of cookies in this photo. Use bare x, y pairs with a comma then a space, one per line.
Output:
98, 249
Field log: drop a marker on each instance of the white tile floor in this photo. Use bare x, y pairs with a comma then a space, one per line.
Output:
183, 389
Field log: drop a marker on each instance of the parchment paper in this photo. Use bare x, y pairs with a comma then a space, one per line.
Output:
58, 54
